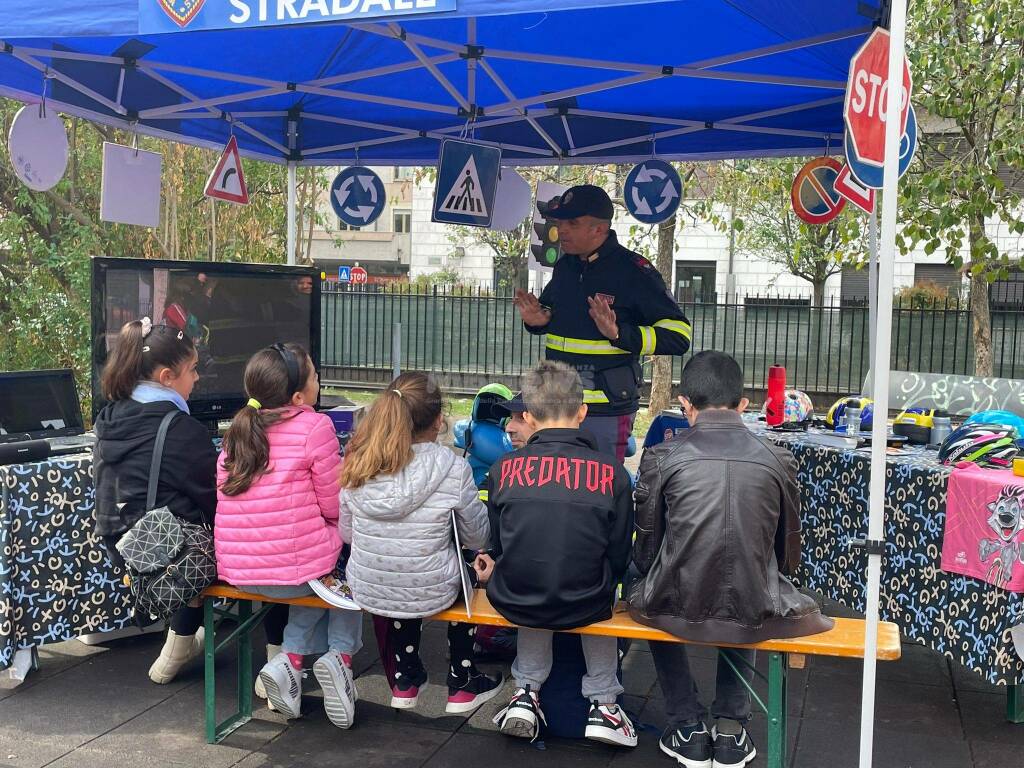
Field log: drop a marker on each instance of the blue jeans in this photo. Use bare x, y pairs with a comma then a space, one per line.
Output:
316, 630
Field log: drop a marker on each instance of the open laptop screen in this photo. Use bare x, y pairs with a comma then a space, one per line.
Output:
36, 404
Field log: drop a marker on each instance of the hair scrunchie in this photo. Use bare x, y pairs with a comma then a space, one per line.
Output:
398, 392
254, 403
147, 326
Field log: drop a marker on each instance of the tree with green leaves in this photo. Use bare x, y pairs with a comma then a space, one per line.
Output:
46, 238
967, 61
766, 227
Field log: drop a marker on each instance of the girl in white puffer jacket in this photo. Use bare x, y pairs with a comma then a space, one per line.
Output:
399, 489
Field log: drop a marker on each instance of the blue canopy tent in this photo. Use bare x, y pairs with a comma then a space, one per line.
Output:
382, 82
590, 81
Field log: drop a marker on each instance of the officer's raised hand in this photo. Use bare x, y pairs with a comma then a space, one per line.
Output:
603, 315
530, 309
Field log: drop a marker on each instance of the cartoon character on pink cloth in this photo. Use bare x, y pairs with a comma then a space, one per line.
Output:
1007, 520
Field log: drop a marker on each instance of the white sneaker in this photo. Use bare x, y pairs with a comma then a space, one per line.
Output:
178, 650
334, 590
339, 689
522, 717
258, 689
609, 724
283, 684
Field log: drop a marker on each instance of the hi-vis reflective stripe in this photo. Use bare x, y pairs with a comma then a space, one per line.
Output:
583, 346
676, 326
648, 340
591, 396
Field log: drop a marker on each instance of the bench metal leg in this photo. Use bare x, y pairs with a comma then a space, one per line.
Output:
242, 634
777, 709
209, 672
1015, 703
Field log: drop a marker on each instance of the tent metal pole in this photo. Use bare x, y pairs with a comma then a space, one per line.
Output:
880, 364
496, 79
291, 212
422, 58
568, 133
174, 109
471, 61
70, 82
872, 281
261, 136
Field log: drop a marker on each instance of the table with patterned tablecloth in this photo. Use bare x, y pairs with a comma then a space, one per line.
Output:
56, 581
963, 618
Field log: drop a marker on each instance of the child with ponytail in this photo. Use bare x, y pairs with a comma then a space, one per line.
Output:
150, 372
399, 489
277, 525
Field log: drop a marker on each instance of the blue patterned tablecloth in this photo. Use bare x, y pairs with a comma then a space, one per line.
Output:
965, 619
56, 581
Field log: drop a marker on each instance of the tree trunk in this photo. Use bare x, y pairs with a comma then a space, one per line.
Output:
818, 292
981, 316
661, 375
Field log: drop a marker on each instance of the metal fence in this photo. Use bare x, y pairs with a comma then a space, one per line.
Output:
473, 337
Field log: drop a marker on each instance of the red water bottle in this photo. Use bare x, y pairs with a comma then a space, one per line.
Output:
775, 405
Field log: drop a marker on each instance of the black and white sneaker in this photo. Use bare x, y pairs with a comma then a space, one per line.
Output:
608, 723
689, 744
522, 717
732, 750
478, 689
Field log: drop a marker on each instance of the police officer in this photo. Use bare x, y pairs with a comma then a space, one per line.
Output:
604, 307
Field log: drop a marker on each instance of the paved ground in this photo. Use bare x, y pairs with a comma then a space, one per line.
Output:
94, 707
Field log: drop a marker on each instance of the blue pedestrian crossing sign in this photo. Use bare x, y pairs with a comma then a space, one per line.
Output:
467, 179
344, 274
358, 196
652, 192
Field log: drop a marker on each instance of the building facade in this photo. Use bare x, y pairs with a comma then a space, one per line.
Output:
405, 244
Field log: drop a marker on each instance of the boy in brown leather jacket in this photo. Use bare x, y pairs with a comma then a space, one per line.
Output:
717, 524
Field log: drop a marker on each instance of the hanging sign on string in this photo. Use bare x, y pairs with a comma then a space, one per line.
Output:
227, 181
652, 191
813, 194
38, 144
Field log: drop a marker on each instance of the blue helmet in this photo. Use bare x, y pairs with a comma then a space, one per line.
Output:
1006, 418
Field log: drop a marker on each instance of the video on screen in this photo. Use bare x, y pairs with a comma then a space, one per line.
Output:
227, 316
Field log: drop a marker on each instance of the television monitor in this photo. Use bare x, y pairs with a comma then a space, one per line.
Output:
230, 310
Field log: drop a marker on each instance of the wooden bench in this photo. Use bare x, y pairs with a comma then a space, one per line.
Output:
846, 640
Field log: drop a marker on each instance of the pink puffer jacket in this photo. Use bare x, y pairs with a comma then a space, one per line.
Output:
284, 529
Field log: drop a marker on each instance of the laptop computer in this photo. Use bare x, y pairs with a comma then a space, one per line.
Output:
42, 405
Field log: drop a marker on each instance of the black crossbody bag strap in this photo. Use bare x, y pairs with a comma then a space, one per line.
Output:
158, 454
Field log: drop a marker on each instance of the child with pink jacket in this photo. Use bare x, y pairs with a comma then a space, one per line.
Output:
277, 525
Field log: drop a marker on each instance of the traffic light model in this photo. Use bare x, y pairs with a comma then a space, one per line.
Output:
544, 245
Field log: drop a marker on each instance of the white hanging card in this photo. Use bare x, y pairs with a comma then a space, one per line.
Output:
130, 192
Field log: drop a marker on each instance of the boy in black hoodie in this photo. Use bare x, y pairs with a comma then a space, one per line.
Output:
561, 520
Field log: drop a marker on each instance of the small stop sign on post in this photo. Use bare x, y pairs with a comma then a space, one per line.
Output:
867, 98
359, 276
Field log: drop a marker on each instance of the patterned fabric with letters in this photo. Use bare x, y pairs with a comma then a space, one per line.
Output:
56, 581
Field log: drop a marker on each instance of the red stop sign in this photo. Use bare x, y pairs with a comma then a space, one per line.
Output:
359, 275
867, 98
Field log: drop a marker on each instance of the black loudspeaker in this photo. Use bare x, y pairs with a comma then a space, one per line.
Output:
20, 453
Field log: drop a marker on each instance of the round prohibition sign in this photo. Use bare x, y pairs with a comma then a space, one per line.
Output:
813, 195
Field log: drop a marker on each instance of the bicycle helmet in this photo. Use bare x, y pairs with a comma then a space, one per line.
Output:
837, 413
798, 407
1006, 418
987, 445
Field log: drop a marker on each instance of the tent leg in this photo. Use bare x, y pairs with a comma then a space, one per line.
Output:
880, 368
291, 213
1015, 703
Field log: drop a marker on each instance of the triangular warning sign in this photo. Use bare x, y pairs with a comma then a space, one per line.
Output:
466, 196
227, 182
